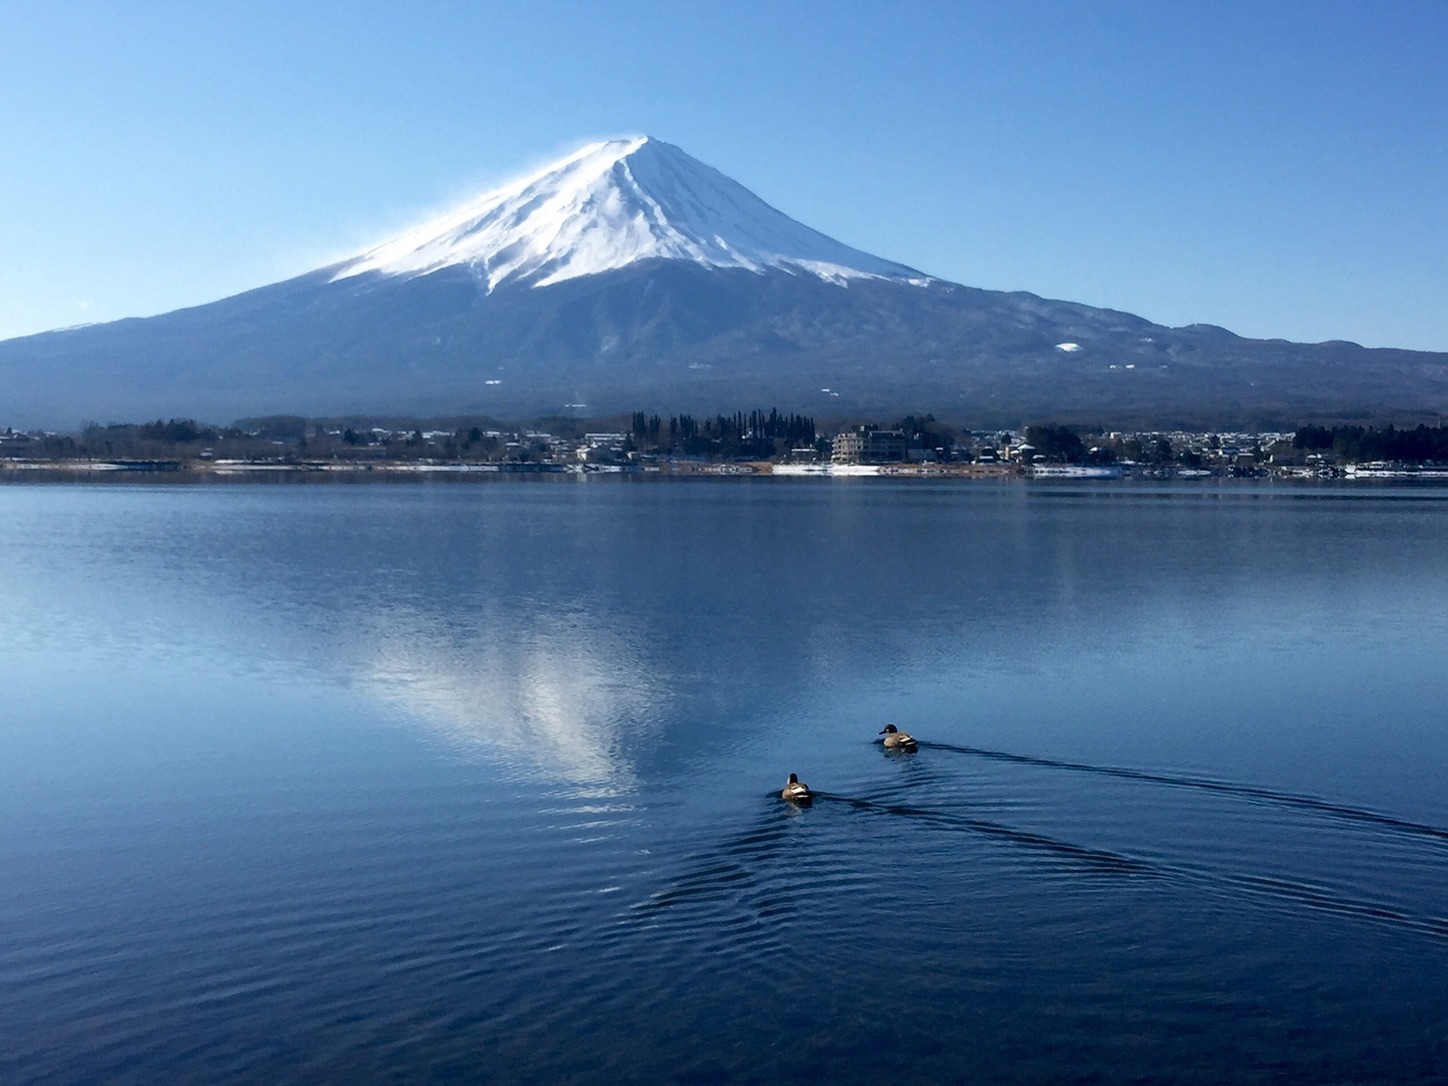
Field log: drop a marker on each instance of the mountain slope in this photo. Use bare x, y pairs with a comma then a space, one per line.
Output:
611, 205
630, 276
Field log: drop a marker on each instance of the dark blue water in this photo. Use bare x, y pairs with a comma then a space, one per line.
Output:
479, 783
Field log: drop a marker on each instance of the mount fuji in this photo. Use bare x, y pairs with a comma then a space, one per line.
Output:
629, 276
615, 204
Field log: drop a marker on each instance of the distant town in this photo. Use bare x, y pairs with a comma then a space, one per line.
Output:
756, 442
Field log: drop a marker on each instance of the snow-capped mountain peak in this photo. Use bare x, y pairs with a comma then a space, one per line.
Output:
612, 204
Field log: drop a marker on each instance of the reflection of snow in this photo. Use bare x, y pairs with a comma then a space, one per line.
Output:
565, 700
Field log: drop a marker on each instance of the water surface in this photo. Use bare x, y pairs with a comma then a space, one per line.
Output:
468, 783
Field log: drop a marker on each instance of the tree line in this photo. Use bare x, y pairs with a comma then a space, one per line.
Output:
758, 434
1356, 444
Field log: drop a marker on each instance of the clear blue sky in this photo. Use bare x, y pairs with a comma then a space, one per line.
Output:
1280, 169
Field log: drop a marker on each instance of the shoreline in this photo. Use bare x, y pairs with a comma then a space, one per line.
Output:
221, 471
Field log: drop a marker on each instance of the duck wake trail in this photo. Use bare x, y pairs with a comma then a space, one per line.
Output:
1208, 784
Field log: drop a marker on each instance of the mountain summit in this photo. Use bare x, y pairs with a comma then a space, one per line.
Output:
611, 205
629, 276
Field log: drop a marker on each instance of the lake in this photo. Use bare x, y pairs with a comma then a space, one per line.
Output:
479, 782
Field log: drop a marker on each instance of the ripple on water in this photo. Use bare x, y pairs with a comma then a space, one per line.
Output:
548, 873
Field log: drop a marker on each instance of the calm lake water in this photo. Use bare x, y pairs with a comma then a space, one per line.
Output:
435, 783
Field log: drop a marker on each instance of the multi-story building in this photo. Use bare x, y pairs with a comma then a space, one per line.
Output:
868, 445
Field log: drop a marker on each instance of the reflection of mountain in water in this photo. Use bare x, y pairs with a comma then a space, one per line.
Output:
570, 701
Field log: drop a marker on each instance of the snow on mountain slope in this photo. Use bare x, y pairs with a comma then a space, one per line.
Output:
612, 204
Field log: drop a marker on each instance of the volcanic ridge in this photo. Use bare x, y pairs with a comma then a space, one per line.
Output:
630, 275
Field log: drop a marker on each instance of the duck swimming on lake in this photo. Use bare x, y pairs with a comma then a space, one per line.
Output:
895, 739
795, 790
